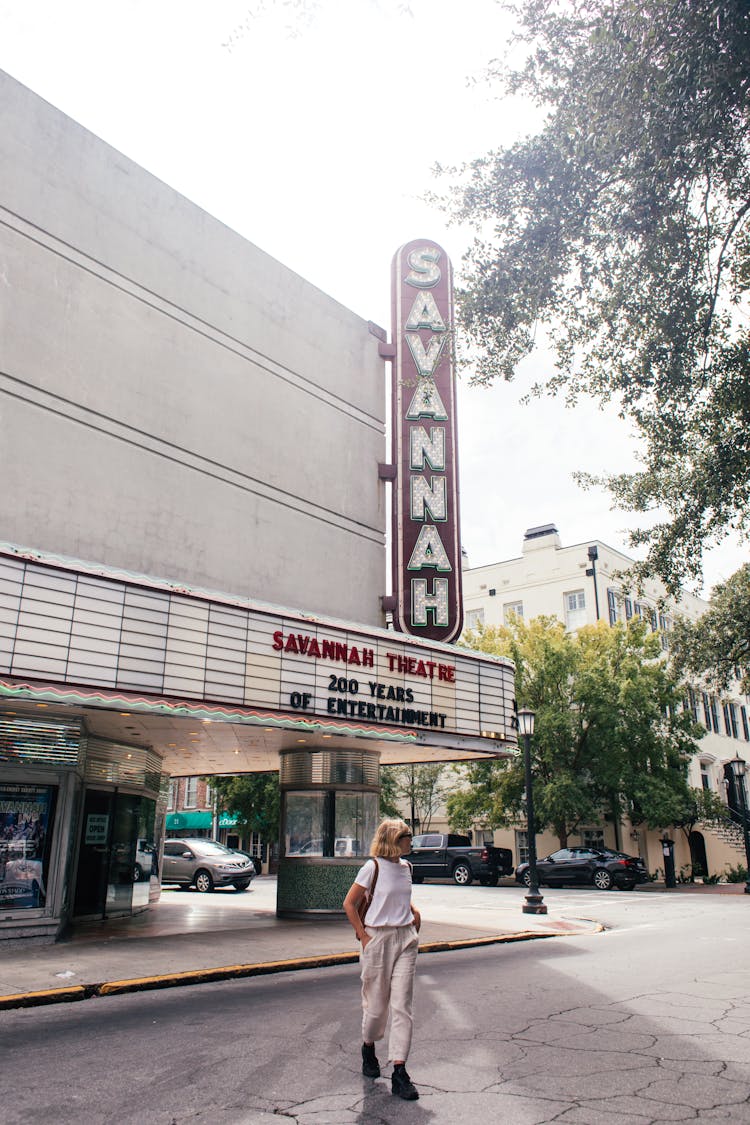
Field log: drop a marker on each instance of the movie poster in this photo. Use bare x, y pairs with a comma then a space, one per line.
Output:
26, 815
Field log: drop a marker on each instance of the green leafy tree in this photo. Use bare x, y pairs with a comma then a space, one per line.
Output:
718, 643
254, 799
621, 229
389, 805
412, 791
609, 733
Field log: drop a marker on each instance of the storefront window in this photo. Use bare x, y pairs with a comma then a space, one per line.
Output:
330, 823
304, 830
26, 819
355, 823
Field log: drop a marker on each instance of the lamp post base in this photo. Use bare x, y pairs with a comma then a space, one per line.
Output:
534, 904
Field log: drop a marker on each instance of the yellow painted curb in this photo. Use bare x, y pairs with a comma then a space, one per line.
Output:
223, 972
258, 968
46, 996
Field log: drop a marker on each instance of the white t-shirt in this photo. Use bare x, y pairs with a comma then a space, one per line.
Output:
391, 903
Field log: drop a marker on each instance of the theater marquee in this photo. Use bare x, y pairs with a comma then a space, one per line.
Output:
426, 536
96, 637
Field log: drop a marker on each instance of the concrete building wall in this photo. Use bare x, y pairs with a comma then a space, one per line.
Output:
166, 388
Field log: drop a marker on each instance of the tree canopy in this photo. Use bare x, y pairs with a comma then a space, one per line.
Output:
414, 792
254, 798
718, 643
621, 228
609, 729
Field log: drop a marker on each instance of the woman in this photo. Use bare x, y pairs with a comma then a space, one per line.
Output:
389, 951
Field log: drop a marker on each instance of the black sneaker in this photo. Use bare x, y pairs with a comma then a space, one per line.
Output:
370, 1064
402, 1085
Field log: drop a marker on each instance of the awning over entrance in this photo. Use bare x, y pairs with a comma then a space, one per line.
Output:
227, 820
180, 820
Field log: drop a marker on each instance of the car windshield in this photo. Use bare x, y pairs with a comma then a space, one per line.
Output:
209, 847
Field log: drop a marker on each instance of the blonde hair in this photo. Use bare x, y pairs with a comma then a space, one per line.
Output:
385, 841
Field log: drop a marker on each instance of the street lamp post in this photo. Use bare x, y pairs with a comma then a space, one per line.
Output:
534, 903
739, 770
593, 553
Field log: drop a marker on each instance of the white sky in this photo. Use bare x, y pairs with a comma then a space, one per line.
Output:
311, 127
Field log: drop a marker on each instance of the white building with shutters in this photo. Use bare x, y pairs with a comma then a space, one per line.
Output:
580, 585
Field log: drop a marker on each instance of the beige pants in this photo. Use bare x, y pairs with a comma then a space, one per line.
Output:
388, 964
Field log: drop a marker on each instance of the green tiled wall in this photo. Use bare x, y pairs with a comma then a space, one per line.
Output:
314, 887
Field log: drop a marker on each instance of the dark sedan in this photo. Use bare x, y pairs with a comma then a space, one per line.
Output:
601, 867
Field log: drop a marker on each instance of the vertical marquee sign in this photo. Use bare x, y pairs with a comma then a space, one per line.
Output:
426, 539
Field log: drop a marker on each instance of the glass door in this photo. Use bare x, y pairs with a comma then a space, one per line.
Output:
93, 854
107, 854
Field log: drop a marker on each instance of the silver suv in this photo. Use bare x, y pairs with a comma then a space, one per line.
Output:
205, 864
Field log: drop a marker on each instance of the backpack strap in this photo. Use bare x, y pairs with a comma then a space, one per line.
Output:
367, 900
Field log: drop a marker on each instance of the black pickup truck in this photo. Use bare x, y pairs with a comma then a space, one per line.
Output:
436, 856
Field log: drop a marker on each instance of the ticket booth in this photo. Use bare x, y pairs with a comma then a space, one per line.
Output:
329, 813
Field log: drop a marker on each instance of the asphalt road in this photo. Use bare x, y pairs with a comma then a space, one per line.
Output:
648, 1022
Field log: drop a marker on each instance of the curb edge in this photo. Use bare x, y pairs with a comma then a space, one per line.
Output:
260, 968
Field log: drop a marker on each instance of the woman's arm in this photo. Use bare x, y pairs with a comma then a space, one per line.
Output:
417, 917
353, 898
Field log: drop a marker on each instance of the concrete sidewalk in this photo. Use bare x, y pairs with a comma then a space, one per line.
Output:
189, 938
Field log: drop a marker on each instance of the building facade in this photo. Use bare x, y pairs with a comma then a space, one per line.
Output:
580, 585
190, 808
192, 562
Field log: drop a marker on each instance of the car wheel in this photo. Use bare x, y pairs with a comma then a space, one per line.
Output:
489, 880
602, 880
526, 878
417, 878
628, 886
462, 874
241, 884
203, 881
137, 873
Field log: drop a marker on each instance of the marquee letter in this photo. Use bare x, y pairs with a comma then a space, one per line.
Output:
429, 551
430, 449
435, 603
426, 402
432, 496
424, 271
426, 360
424, 314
